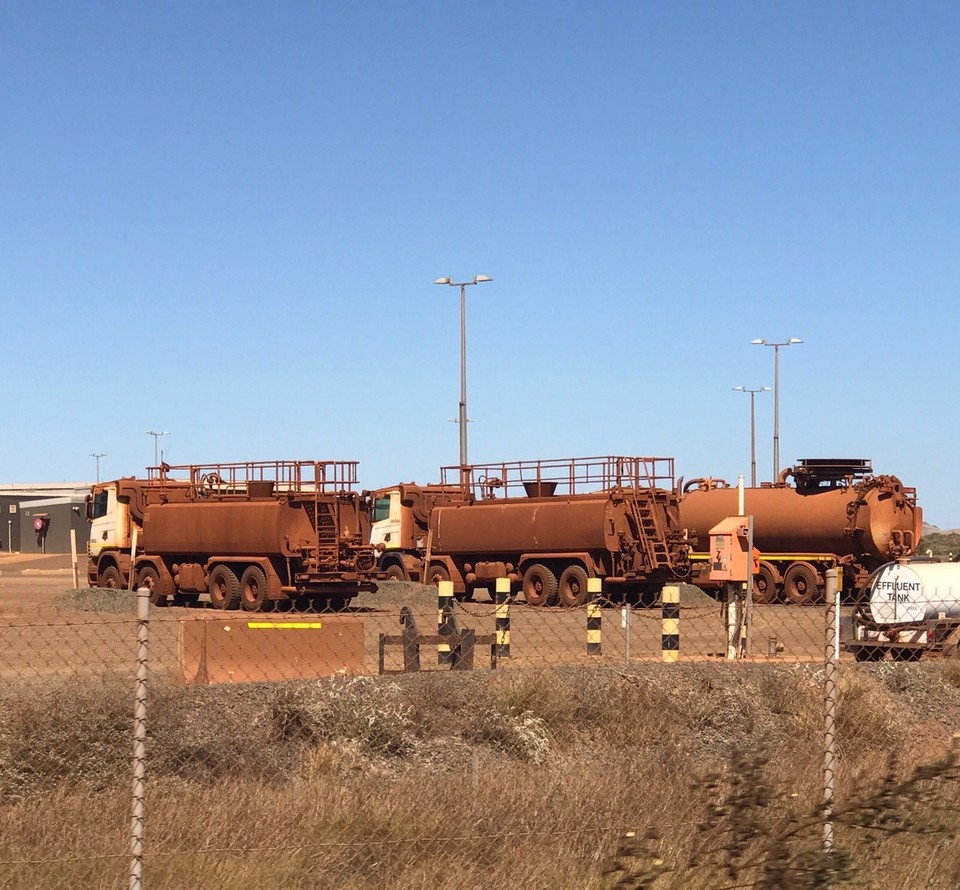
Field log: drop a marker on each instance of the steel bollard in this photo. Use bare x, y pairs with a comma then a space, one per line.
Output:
670, 623
502, 600
444, 614
594, 617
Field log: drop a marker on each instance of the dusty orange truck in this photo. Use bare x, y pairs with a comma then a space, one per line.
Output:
254, 534
836, 514
547, 525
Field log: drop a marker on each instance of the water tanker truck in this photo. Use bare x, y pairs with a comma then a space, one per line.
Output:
906, 608
254, 534
835, 515
547, 525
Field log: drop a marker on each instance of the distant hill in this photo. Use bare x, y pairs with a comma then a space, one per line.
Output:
938, 541
929, 529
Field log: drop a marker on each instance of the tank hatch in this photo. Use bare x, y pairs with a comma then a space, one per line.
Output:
813, 472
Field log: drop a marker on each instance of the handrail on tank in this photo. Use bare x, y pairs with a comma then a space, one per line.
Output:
287, 476
561, 476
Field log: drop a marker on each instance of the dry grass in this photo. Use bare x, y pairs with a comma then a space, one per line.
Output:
682, 776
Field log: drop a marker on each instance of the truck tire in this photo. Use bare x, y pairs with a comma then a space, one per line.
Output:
109, 578
540, 586
765, 585
332, 603
869, 653
149, 577
395, 573
253, 590
800, 584
224, 588
437, 574
573, 587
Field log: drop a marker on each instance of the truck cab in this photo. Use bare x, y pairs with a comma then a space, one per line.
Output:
108, 543
399, 522
109, 520
386, 519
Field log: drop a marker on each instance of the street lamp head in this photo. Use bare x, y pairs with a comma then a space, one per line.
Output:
739, 389
477, 278
758, 342
793, 340
443, 281
764, 389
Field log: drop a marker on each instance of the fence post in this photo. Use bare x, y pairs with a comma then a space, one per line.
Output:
73, 557
733, 618
627, 622
502, 621
139, 740
670, 623
830, 666
444, 614
594, 616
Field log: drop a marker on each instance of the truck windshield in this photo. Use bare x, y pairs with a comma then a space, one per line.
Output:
99, 506
381, 509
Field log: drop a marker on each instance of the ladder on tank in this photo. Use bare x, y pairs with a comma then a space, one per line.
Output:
645, 507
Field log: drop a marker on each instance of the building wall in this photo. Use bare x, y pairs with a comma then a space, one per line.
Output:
9, 523
63, 503
64, 514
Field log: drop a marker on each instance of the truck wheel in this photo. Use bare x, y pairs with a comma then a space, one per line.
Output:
869, 653
800, 584
110, 579
149, 577
905, 653
253, 589
224, 588
330, 603
395, 573
764, 585
573, 587
437, 574
539, 586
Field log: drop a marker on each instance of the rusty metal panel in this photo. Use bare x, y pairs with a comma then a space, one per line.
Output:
249, 649
581, 522
240, 527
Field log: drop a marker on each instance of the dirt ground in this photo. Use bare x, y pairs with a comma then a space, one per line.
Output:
51, 626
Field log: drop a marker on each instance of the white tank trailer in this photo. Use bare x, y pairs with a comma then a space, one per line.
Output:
906, 608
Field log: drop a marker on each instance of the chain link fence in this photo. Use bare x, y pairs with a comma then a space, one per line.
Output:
408, 741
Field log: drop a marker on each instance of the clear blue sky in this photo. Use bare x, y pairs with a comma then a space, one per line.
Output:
222, 219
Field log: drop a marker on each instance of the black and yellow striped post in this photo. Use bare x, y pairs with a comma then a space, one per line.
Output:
594, 616
502, 600
444, 619
670, 619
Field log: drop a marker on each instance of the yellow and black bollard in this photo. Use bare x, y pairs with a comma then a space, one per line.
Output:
670, 620
502, 597
444, 619
594, 617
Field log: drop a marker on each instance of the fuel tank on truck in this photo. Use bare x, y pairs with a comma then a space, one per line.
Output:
874, 516
227, 528
519, 525
906, 593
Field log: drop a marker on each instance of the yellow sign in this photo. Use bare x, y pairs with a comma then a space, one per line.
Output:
284, 625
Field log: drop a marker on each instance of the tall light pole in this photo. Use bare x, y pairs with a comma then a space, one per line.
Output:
156, 436
753, 429
793, 341
463, 285
97, 455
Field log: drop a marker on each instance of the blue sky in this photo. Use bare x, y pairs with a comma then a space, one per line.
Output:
223, 220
